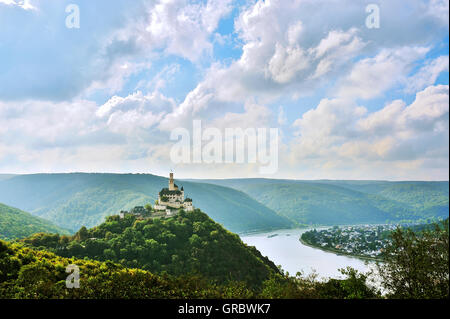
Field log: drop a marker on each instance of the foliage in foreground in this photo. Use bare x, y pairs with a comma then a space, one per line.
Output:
37, 274
416, 263
416, 266
189, 243
28, 273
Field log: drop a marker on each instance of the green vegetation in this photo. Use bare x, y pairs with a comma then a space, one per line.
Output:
27, 273
188, 243
15, 223
416, 264
240, 205
348, 202
31, 274
77, 199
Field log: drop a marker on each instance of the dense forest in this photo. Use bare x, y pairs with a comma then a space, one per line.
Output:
416, 266
240, 205
15, 223
329, 202
27, 273
79, 199
189, 243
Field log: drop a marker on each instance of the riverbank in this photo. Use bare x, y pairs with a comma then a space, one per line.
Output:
338, 252
287, 251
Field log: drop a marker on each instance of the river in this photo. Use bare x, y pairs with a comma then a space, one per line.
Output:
284, 248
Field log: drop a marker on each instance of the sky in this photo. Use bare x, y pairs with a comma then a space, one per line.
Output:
104, 93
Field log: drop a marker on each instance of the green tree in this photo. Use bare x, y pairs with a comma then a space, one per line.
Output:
82, 234
416, 263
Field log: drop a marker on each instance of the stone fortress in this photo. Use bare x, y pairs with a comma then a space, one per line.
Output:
172, 199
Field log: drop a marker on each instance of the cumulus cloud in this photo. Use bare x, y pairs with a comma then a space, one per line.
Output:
67, 63
343, 133
310, 49
24, 4
439, 9
177, 27
427, 74
136, 111
371, 77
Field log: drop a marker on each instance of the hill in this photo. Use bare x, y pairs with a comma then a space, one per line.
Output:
78, 199
347, 202
38, 274
188, 243
27, 273
15, 223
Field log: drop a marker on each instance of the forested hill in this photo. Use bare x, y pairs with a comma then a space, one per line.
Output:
38, 274
15, 223
347, 202
189, 243
78, 199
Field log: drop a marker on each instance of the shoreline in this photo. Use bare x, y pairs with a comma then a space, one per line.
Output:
339, 253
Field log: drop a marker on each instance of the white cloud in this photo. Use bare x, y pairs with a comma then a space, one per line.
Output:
338, 133
427, 74
24, 4
290, 49
439, 9
183, 28
371, 77
136, 112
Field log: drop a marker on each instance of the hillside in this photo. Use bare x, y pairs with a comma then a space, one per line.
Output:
38, 274
426, 198
189, 243
27, 273
75, 200
15, 223
347, 202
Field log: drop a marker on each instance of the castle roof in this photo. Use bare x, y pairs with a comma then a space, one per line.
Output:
166, 191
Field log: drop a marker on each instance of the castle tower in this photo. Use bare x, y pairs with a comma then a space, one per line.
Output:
171, 183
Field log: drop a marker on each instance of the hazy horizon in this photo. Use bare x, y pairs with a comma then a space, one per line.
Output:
202, 179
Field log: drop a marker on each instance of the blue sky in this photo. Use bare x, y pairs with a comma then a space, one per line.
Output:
350, 102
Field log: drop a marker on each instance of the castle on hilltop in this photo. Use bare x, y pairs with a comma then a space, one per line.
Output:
172, 199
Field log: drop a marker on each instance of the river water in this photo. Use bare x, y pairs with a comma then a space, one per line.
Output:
284, 248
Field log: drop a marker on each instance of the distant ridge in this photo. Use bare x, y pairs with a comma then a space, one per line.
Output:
73, 200
331, 202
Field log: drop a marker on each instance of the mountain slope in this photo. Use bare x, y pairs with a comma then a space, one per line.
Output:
189, 243
425, 198
15, 223
347, 202
77, 199
38, 274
